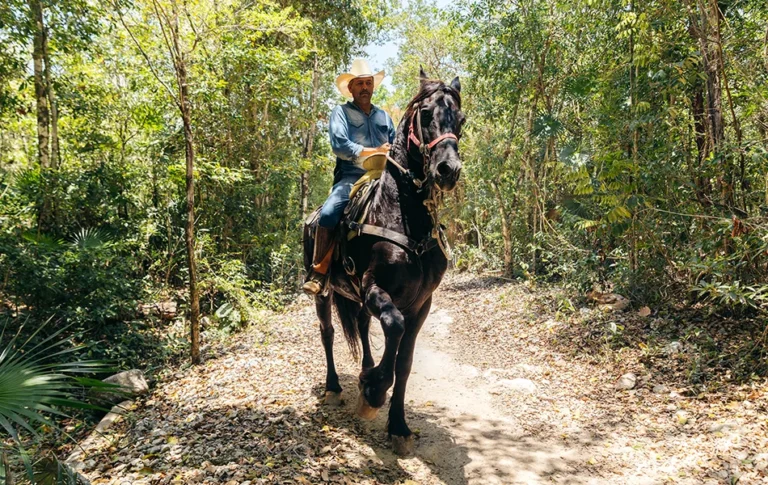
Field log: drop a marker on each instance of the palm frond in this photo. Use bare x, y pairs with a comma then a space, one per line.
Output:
43, 240
33, 389
36, 384
91, 238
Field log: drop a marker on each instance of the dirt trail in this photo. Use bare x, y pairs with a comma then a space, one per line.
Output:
483, 443
499, 394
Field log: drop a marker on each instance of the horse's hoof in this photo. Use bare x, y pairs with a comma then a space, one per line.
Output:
402, 445
332, 399
364, 410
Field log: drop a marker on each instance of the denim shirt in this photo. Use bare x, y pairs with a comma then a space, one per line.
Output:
351, 130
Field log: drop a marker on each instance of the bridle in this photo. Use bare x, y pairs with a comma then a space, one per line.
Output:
416, 135
434, 197
419, 137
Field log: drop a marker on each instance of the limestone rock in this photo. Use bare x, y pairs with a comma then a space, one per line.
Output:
673, 348
519, 384
660, 389
626, 382
166, 310
608, 301
131, 383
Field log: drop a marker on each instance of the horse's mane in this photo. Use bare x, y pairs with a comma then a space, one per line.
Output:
427, 89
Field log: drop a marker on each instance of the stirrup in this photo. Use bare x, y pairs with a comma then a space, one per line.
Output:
315, 284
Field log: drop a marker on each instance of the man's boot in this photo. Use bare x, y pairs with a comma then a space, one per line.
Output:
321, 261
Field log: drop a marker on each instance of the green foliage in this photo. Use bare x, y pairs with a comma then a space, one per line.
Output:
38, 380
117, 199
84, 243
88, 281
585, 116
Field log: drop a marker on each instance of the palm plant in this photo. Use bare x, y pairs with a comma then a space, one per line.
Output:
36, 382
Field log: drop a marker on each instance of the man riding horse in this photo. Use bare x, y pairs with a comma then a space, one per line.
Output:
394, 254
357, 129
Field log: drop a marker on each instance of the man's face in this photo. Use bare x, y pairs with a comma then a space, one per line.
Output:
361, 89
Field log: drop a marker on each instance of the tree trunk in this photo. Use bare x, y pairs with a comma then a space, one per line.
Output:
180, 64
530, 164
54, 109
635, 141
304, 194
181, 99
504, 230
40, 47
708, 18
194, 299
704, 17
50, 207
736, 124
712, 64
41, 98
700, 181
309, 142
9, 480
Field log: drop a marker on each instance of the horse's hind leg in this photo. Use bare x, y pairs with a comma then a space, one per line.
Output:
402, 438
323, 305
375, 381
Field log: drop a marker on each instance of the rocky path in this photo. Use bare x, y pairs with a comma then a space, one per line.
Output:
499, 394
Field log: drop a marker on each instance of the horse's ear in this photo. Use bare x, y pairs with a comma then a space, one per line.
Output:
422, 75
455, 84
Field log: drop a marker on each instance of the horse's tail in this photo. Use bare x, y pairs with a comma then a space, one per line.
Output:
348, 312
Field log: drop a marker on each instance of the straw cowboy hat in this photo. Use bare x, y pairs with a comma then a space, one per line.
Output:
360, 68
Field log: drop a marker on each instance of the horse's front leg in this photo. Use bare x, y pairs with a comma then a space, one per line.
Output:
363, 326
332, 386
402, 438
375, 381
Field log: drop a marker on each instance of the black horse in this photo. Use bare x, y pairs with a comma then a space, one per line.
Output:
399, 259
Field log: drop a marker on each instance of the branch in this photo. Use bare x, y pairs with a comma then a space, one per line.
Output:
198, 37
164, 20
146, 57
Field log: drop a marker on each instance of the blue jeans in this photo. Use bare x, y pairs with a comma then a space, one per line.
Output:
334, 205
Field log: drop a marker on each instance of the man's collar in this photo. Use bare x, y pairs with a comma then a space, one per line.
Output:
352, 104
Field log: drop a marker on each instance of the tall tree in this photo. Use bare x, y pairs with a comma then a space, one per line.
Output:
168, 16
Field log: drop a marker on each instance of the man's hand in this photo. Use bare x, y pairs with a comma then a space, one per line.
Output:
384, 148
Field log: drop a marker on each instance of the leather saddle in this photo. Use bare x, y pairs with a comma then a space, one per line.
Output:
354, 217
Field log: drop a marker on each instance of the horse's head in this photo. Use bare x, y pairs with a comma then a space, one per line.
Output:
435, 129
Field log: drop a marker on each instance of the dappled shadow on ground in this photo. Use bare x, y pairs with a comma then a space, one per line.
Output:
465, 284
374, 435
466, 448
272, 444
281, 445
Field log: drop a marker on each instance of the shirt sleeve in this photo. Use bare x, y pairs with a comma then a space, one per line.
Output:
392, 131
338, 131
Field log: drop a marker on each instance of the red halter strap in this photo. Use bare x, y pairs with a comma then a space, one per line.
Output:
416, 139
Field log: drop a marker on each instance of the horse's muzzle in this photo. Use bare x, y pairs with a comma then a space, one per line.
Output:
448, 172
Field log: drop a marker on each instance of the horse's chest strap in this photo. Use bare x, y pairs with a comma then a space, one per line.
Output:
400, 239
